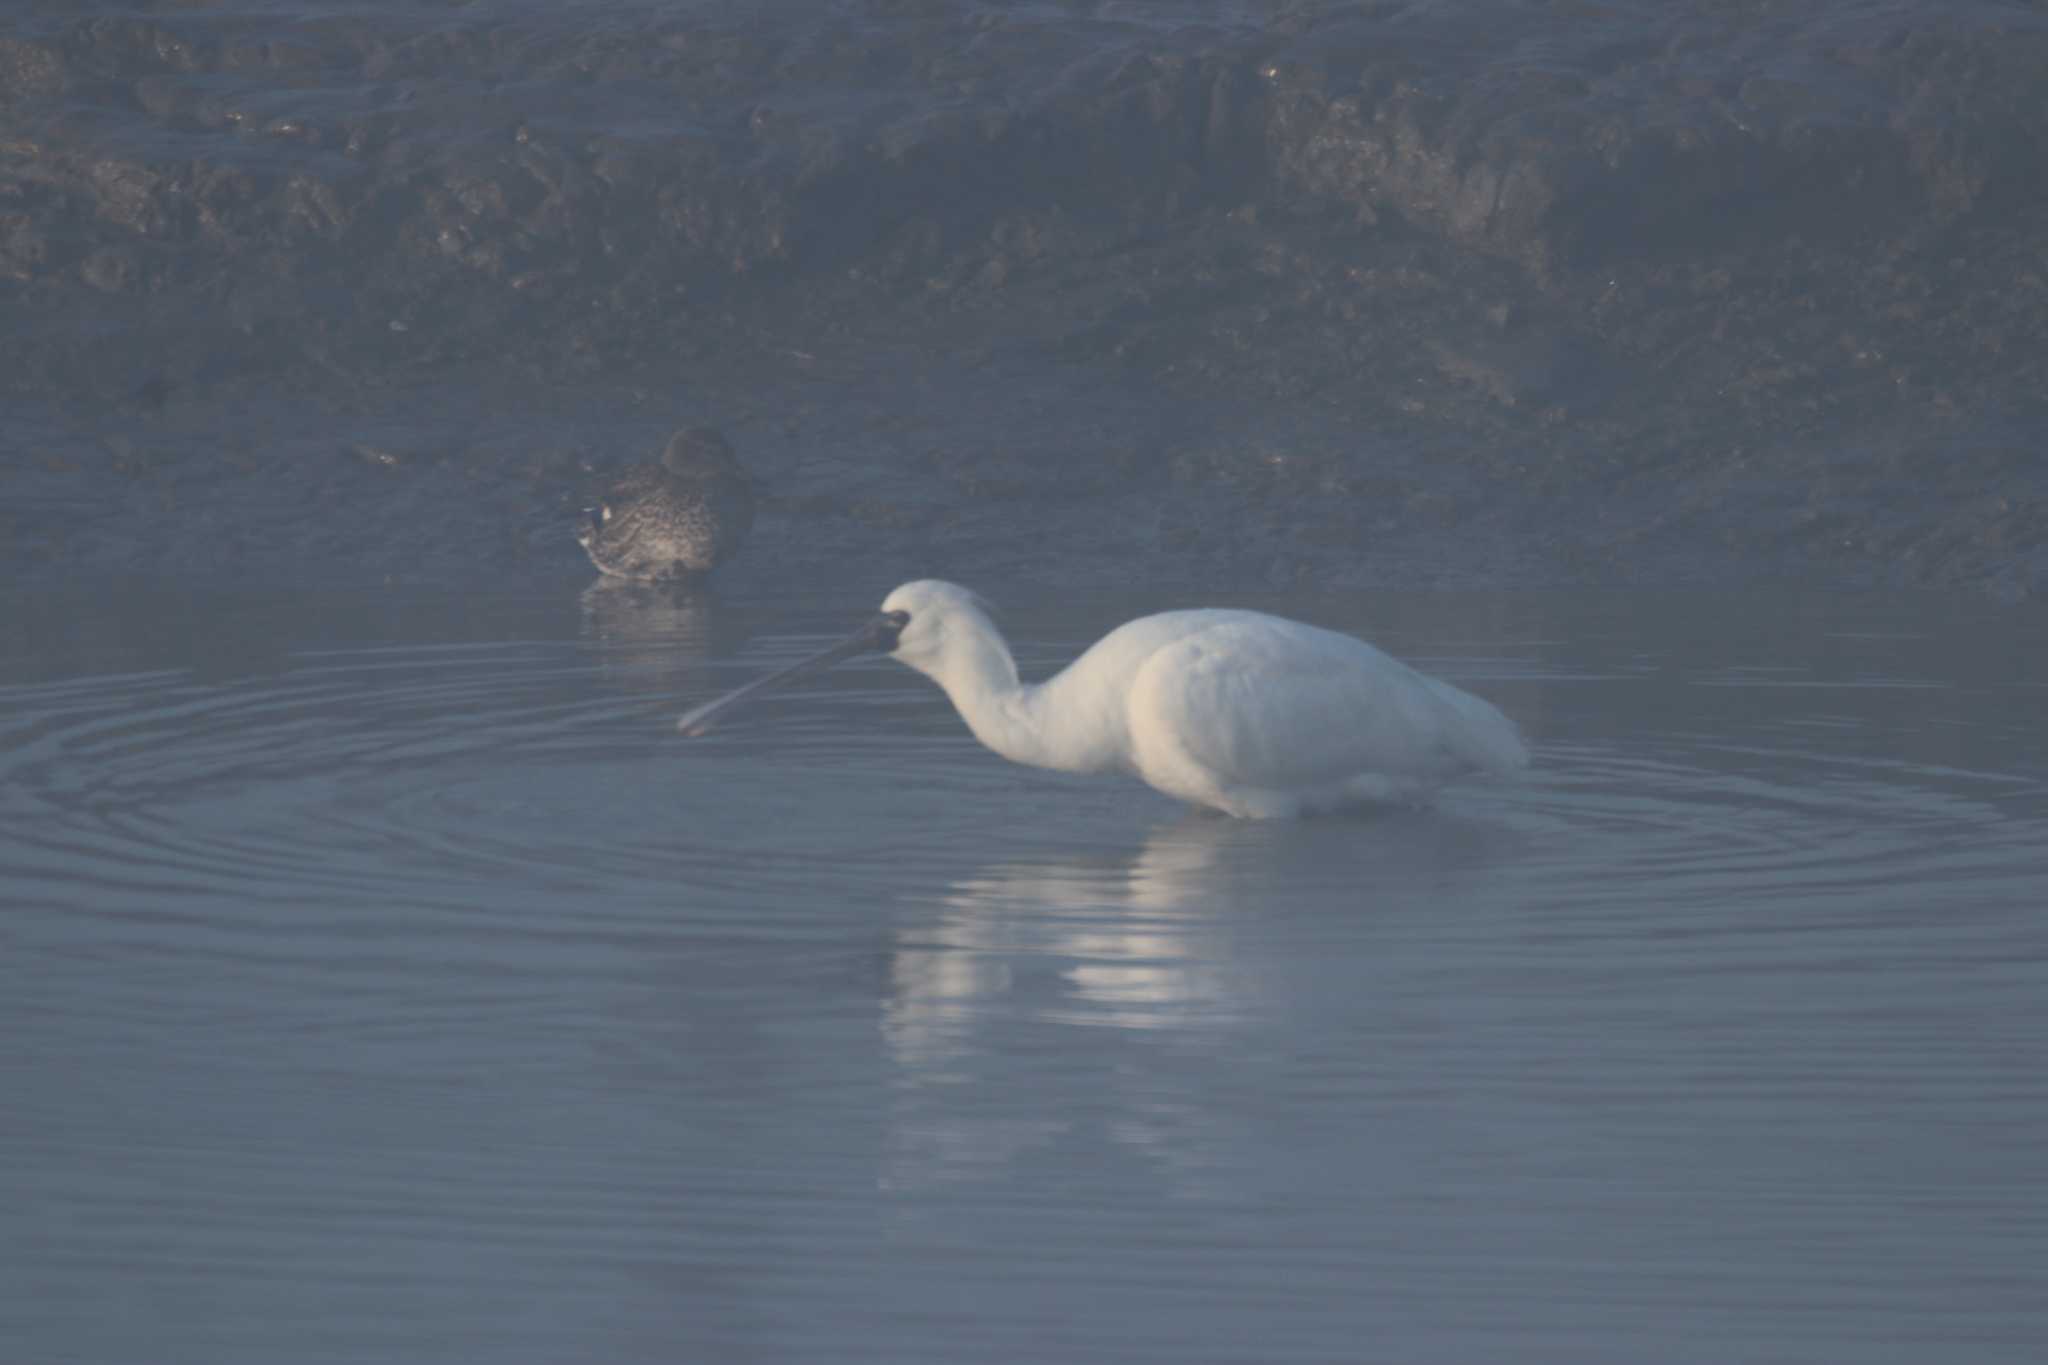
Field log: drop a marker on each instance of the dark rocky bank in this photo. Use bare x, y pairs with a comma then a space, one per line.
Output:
1255, 294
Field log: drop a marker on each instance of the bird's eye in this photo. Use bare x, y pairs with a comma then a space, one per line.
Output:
899, 618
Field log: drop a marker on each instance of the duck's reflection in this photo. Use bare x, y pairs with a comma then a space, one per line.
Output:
1091, 998
656, 634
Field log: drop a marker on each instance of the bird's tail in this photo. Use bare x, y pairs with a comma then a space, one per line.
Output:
1484, 737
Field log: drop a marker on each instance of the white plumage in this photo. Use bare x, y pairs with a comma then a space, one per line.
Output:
1251, 714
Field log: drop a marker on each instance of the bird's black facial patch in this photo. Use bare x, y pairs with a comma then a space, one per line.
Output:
889, 629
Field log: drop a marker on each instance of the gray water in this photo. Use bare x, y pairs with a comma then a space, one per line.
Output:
381, 979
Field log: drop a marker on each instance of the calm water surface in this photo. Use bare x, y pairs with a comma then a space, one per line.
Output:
380, 979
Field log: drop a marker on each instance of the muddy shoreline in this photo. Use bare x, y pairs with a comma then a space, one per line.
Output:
1234, 297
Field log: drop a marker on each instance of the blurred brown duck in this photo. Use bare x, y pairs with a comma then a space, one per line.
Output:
678, 519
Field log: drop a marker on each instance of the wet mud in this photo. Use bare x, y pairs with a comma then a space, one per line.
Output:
1222, 294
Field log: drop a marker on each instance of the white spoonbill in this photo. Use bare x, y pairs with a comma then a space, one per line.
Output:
1254, 715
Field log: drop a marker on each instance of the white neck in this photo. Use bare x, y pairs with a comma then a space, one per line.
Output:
980, 678
1019, 720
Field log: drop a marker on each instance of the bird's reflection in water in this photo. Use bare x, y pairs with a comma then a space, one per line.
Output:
1090, 998
656, 634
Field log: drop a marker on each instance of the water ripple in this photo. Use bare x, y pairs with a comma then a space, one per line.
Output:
446, 978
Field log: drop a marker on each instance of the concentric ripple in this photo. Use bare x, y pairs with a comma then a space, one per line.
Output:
355, 770
414, 775
1696, 822
435, 776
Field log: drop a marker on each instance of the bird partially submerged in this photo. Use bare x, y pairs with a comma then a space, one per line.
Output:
1250, 714
678, 519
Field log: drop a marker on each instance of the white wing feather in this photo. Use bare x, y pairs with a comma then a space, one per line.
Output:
1279, 705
